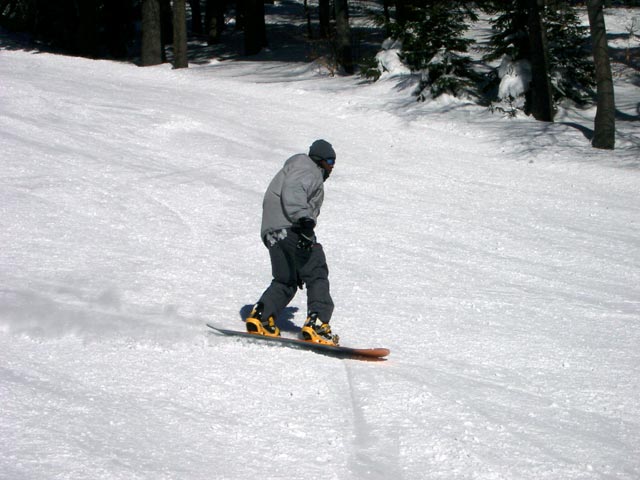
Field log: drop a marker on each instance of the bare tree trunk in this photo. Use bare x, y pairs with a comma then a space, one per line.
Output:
324, 12
179, 35
151, 33
196, 17
604, 135
541, 106
86, 33
119, 20
343, 36
214, 19
307, 15
241, 9
166, 22
255, 32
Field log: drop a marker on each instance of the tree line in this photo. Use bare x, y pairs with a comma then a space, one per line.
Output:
544, 34
140, 29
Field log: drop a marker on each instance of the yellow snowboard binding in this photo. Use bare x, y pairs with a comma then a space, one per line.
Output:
256, 325
314, 330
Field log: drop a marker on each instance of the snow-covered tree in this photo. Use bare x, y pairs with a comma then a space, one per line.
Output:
570, 71
433, 44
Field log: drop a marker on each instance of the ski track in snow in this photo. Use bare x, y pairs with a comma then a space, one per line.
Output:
375, 452
498, 260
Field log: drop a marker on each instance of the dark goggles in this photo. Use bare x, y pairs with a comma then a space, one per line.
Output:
330, 161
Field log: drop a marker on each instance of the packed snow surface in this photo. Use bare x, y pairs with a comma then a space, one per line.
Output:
498, 259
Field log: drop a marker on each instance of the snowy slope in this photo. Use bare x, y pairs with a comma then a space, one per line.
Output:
498, 260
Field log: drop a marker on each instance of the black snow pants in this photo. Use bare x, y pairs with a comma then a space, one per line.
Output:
291, 267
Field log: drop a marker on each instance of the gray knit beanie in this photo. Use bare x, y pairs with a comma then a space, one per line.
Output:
321, 150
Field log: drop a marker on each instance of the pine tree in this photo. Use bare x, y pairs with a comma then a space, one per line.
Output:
509, 30
433, 44
570, 71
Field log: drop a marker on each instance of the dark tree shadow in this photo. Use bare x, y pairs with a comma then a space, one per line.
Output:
625, 117
586, 131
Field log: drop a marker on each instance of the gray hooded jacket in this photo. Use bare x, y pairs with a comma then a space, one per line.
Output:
296, 192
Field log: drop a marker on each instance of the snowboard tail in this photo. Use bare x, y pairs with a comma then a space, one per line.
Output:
331, 350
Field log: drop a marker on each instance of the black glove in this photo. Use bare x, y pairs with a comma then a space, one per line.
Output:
305, 231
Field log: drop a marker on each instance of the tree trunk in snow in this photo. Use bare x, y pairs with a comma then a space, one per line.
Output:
604, 135
196, 16
151, 33
179, 35
343, 36
541, 95
324, 12
255, 32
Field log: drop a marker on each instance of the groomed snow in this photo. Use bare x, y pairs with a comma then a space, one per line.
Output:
498, 259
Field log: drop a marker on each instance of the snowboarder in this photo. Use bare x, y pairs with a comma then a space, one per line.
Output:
290, 211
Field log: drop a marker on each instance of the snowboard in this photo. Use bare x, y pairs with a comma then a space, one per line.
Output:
331, 350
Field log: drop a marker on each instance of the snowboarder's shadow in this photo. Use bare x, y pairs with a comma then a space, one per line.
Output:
284, 320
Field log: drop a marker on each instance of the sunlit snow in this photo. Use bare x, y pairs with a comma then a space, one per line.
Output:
498, 259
